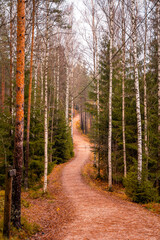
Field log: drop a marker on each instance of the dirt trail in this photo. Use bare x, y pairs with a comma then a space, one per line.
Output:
102, 217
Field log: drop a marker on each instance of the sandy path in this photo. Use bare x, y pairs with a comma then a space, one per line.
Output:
102, 217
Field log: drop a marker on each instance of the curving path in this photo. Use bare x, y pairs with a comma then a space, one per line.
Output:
102, 217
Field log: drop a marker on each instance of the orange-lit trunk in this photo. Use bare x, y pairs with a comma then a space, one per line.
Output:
19, 121
29, 103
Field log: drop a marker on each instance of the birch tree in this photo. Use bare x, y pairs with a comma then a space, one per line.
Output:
72, 103
123, 88
110, 98
137, 91
145, 92
29, 103
46, 105
3, 87
11, 60
67, 94
58, 72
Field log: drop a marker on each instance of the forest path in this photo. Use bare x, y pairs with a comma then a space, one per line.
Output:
102, 217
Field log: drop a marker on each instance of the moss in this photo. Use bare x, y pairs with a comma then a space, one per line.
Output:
40, 194
25, 203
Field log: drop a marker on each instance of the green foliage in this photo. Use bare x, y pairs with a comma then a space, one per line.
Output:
140, 192
36, 170
51, 165
2, 174
6, 143
62, 145
25, 203
41, 194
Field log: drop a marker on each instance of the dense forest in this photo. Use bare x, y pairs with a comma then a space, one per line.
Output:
104, 66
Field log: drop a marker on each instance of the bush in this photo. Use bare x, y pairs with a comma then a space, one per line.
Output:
50, 167
62, 146
36, 171
143, 192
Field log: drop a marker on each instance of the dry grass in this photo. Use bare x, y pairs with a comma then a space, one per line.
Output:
90, 175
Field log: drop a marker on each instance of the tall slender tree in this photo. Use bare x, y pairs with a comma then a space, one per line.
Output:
158, 43
19, 122
137, 91
46, 105
3, 87
145, 92
29, 102
11, 60
123, 88
67, 94
110, 97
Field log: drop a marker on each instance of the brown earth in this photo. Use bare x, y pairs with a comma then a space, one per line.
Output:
94, 215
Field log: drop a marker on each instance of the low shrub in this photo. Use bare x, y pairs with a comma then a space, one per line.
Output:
140, 192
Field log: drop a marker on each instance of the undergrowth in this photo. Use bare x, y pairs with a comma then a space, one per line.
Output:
27, 230
89, 172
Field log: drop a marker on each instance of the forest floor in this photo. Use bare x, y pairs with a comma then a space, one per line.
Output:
73, 210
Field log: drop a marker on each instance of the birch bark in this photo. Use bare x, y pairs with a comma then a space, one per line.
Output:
95, 66
46, 107
58, 67
123, 89
35, 85
29, 104
110, 98
72, 110
145, 93
138, 110
41, 79
3, 87
67, 94
11, 63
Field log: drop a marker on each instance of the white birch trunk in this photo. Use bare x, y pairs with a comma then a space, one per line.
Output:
94, 66
11, 62
58, 67
35, 85
145, 94
110, 99
72, 107
98, 107
41, 80
123, 90
138, 111
67, 95
46, 109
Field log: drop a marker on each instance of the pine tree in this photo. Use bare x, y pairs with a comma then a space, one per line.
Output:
19, 128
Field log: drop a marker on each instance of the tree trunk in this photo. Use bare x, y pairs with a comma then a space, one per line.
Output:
58, 73
35, 85
95, 78
123, 90
158, 42
46, 107
3, 87
72, 107
145, 95
11, 63
41, 80
19, 123
138, 111
29, 104
110, 99
67, 95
